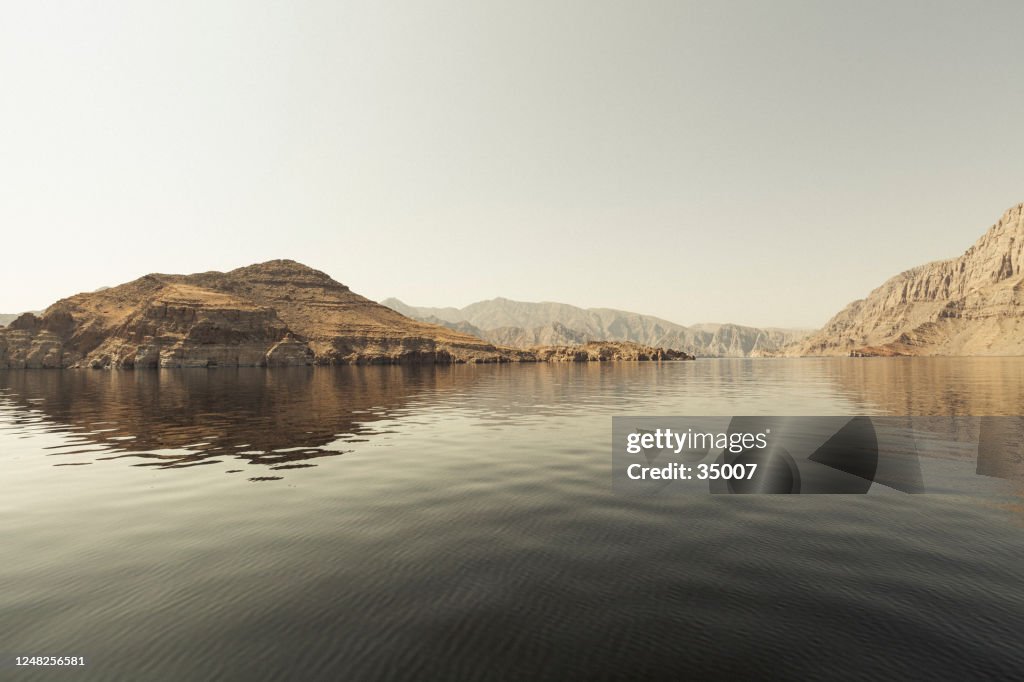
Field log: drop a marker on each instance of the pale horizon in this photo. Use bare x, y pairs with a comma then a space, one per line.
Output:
742, 163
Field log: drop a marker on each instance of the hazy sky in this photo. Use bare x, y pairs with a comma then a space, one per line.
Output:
757, 162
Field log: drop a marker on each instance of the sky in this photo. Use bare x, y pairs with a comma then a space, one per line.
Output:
749, 162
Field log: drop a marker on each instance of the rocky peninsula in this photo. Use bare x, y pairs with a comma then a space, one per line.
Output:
278, 313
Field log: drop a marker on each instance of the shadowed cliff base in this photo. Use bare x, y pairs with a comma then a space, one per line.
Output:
278, 313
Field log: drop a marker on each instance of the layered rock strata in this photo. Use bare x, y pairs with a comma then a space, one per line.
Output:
270, 314
969, 305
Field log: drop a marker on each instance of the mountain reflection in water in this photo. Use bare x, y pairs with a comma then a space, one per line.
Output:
277, 419
273, 420
469, 529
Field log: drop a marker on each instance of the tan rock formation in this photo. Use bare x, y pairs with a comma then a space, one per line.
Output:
605, 351
275, 313
970, 305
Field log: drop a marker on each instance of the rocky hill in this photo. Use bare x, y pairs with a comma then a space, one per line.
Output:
522, 325
970, 305
275, 313
7, 318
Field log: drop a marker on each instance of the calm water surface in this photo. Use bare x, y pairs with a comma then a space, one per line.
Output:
458, 523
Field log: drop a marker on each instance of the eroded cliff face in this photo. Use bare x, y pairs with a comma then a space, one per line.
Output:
970, 305
275, 313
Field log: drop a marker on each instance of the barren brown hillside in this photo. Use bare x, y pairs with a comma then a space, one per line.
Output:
274, 313
969, 305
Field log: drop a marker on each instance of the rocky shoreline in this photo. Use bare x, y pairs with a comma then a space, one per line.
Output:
279, 313
41, 348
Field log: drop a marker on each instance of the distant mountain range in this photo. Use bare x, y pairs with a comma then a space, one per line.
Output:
969, 305
520, 324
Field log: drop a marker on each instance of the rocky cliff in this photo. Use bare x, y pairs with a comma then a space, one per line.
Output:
523, 325
970, 305
275, 313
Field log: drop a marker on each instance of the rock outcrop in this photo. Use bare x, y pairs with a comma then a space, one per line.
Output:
275, 313
970, 305
523, 325
597, 351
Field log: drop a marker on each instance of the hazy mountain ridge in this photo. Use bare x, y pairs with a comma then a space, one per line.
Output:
522, 324
969, 305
